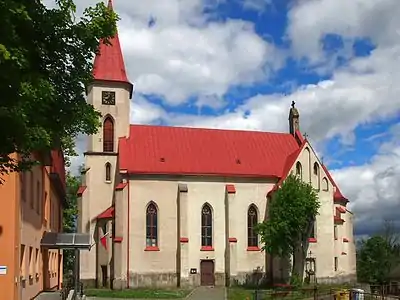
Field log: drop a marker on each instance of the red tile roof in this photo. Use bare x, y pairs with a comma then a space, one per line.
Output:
109, 63
195, 151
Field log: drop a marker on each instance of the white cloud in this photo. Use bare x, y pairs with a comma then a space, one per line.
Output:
373, 187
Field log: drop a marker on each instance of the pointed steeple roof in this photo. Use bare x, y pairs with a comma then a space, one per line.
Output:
109, 63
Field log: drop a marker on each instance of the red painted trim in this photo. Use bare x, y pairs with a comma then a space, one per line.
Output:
345, 240
118, 239
184, 240
232, 240
121, 186
341, 209
253, 248
207, 248
312, 240
230, 188
128, 237
80, 191
151, 248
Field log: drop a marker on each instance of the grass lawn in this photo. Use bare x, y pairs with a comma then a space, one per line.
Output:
237, 293
138, 293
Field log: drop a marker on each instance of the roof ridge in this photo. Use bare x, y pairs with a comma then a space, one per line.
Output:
211, 129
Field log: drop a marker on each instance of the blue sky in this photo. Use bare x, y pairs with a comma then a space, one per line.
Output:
239, 64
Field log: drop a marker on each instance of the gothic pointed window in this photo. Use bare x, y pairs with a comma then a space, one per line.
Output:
108, 135
206, 226
252, 220
108, 172
317, 177
299, 171
151, 226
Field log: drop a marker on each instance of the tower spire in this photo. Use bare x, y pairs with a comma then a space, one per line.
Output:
109, 62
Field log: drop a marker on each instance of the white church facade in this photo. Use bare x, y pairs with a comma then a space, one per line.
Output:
174, 206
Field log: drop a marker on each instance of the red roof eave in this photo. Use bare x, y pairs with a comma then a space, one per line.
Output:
107, 214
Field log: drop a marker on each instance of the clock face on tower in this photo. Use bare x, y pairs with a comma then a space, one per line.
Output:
108, 98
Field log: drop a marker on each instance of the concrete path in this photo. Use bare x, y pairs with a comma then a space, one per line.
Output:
207, 293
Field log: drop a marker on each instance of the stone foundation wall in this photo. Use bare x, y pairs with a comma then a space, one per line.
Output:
250, 279
153, 280
352, 278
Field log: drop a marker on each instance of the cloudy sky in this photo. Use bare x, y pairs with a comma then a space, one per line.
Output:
239, 64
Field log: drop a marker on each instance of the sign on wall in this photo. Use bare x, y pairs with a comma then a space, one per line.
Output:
193, 271
3, 270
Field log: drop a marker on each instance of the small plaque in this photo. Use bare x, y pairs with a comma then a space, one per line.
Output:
3, 270
193, 271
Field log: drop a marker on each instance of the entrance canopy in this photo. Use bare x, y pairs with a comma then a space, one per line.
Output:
55, 240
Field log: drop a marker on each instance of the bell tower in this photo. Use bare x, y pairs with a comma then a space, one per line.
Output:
110, 93
294, 119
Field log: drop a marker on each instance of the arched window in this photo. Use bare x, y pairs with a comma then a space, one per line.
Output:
252, 221
316, 174
206, 226
325, 185
108, 172
151, 225
108, 135
299, 171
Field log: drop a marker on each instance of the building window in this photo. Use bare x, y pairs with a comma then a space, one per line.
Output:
31, 265
336, 264
108, 172
325, 185
316, 174
252, 221
23, 185
206, 226
335, 233
22, 262
108, 135
32, 189
38, 197
151, 225
312, 235
299, 171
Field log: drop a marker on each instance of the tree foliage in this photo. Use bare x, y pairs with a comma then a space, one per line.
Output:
377, 257
69, 217
291, 215
46, 59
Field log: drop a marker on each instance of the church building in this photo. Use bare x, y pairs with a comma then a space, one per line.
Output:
176, 206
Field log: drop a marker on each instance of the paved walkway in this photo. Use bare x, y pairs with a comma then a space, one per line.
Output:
208, 293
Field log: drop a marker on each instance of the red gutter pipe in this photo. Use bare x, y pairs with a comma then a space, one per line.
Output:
128, 237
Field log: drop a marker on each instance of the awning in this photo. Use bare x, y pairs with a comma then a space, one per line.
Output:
55, 240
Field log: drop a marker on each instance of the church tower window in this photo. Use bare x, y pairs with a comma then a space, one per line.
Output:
108, 135
151, 226
252, 220
299, 171
325, 185
316, 174
206, 226
108, 172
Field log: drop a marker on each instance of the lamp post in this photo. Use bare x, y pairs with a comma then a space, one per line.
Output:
310, 270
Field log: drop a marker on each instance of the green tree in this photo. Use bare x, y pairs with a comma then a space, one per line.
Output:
46, 59
291, 216
69, 218
378, 256
374, 260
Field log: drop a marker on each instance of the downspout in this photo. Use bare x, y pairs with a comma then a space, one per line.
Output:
128, 237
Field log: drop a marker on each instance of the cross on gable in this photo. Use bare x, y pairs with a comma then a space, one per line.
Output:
293, 104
